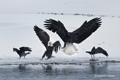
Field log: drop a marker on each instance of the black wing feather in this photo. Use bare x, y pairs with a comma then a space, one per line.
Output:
92, 51
25, 49
86, 30
42, 35
58, 27
101, 50
56, 46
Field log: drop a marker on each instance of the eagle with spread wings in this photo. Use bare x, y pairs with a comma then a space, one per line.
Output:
77, 36
96, 51
45, 39
22, 51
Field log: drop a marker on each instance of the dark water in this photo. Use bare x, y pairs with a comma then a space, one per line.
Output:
86, 71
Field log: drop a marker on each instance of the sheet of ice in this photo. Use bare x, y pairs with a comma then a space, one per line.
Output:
17, 30
17, 19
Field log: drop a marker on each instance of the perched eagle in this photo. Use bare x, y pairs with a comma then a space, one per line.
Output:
77, 36
22, 51
44, 38
96, 51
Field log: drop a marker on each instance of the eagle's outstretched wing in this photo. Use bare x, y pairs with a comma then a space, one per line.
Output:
56, 46
42, 35
101, 50
86, 30
76, 36
92, 51
25, 49
58, 27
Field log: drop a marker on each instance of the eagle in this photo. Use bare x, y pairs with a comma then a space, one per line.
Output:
22, 51
76, 36
96, 51
45, 39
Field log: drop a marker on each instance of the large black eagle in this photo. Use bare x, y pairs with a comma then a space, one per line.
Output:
45, 39
77, 36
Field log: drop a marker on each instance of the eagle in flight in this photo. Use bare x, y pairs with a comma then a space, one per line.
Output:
45, 39
77, 36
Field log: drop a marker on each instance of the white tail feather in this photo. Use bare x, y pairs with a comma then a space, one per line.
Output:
69, 49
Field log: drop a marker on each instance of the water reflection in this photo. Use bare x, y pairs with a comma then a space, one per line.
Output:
98, 68
59, 69
22, 68
54, 72
49, 69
